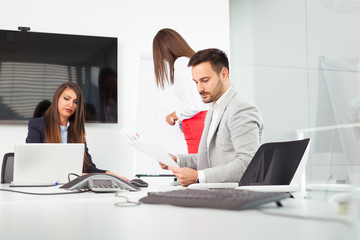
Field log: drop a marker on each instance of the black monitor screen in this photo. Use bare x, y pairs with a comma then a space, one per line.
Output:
33, 65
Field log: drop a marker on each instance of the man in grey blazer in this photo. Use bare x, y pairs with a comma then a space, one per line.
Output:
232, 130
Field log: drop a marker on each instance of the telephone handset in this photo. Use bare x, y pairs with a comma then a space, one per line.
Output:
100, 182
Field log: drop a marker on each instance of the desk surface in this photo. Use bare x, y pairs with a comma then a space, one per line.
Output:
94, 216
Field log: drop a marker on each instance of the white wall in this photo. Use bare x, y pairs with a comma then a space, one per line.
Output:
203, 23
268, 47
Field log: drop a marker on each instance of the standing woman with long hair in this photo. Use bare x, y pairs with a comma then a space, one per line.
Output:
64, 122
171, 54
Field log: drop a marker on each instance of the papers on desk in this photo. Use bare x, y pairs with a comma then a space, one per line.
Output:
152, 149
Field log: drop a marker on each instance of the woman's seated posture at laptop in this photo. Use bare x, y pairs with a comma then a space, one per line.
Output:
64, 122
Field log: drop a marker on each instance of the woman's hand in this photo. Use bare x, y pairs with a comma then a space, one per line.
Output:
171, 118
123, 178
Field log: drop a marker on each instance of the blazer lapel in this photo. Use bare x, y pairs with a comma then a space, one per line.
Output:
203, 154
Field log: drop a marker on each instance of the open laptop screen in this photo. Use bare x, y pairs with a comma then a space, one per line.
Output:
37, 164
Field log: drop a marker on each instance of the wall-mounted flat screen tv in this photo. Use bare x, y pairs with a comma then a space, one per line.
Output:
33, 65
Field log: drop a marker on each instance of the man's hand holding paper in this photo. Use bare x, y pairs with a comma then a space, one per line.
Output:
166, 167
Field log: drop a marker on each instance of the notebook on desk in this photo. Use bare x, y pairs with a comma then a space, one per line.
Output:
46, 164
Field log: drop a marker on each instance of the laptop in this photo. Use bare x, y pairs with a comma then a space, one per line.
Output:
46, 164
296, 186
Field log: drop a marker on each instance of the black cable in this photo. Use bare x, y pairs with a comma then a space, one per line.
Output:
30, 193
74, 174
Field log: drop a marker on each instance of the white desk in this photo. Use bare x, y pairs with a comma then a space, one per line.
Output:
94, 216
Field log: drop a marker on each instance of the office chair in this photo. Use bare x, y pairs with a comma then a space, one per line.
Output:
7, 168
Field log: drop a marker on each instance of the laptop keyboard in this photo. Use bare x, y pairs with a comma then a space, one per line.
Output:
233, 199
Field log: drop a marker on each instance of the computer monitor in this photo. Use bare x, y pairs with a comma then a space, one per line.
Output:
34, 64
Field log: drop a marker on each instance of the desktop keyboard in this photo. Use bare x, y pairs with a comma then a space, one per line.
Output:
233, 199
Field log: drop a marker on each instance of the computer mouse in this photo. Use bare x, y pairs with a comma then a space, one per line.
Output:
139, 182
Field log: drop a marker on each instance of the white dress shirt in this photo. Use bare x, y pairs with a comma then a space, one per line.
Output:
64, 132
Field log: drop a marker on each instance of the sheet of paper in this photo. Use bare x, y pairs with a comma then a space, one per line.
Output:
155, 151
152, 149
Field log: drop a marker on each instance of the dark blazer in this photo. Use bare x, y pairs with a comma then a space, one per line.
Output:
36, 134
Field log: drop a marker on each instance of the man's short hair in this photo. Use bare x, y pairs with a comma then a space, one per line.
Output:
216, 57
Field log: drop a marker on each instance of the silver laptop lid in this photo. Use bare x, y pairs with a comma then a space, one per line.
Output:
46, 163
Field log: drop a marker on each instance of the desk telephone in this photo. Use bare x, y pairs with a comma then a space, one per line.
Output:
100, 182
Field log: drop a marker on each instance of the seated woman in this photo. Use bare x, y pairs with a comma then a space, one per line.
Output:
64, 122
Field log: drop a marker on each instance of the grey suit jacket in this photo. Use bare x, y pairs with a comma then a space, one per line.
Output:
236, 138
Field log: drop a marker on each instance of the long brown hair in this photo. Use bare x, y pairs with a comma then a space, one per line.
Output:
168, 45
76, 130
